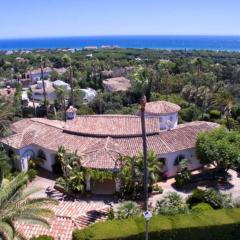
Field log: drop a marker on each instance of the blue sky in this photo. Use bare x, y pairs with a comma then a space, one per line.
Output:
45, 18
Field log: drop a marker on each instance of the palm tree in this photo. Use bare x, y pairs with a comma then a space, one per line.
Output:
154, 166
6, 111
71, 83
197, 63
224, 100
132, 171
44, 89
128, 209
15, 205
61, 96
68, 160
4, 165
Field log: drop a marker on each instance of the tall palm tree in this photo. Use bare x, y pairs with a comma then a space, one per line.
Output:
154, 166
4, 165
44, 89
6, 111
197, 63
61, 95
132, 170
15, 205
224, 100
71, 83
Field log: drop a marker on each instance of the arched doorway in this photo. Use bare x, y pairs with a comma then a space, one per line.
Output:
27, 155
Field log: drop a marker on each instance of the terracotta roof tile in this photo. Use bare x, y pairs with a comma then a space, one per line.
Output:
104, 154
111, 125
117, 84
161, 107
102, 151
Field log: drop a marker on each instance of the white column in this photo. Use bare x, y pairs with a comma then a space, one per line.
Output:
117, 184
88, 183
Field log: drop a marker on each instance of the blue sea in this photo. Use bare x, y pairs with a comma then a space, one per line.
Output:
221, 43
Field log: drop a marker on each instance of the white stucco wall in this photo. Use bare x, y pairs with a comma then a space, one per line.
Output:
163, 119
22, 164
190, 154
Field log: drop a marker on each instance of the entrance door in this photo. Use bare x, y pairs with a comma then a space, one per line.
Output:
106, 187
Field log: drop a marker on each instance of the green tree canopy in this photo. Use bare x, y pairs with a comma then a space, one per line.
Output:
219, 147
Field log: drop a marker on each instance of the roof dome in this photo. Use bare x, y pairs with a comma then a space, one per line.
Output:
161, 108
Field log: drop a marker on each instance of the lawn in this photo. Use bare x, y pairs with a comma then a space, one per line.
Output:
211, 225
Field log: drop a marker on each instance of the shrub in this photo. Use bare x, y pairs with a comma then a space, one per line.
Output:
157, 188
127, 209
215, 114
171, 204
206, 117
183, 178
111, 214
43, 237
214, 198
184, 175
201, 207
32, 173
61, 182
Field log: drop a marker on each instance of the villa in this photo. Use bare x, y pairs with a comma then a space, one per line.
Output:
117, 84
101, 139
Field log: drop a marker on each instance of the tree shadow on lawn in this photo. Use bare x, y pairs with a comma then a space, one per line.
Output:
207, 179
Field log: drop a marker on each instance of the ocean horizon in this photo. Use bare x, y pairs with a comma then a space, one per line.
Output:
168, 42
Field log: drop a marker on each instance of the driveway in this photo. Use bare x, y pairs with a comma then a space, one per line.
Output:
69, 213
230, 187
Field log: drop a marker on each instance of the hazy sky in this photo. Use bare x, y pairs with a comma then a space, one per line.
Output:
40, 18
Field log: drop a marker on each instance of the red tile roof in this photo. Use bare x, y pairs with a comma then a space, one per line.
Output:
100, 149
117, 84
106, 151
161, 107
111, 125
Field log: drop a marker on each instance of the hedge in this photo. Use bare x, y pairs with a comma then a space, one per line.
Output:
221, 224
43, 237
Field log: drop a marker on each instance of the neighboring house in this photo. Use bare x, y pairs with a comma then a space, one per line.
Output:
101, 139
24, 98
36, 74
117, 72
117, 84
22, 60
90, 48
61, 84
26, 83
60, 71
89, 55
37, 91
8, 53
90, 94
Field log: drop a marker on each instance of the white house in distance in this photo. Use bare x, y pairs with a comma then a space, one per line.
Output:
89, 94
35, 75
61, 84
101, 139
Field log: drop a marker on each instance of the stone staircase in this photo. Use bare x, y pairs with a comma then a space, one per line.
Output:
91, 217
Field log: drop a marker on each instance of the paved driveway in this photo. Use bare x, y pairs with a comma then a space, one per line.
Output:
67, 213
231, 187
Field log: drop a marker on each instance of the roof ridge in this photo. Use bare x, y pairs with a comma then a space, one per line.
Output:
47, 124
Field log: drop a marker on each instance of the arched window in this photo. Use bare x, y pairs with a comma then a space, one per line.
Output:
178, 159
